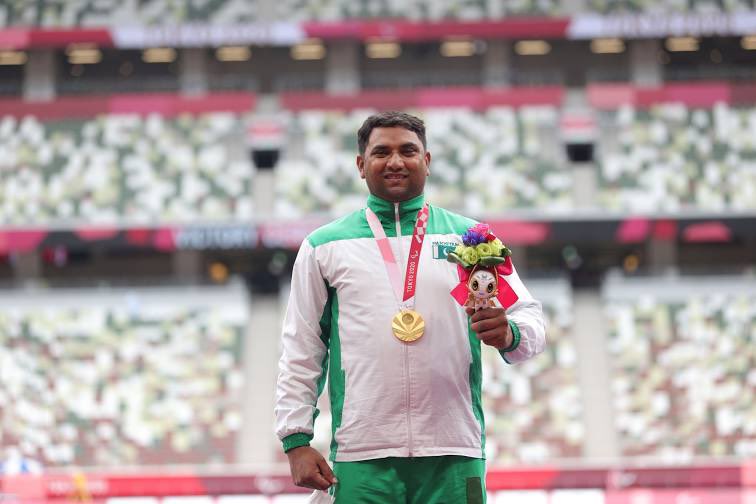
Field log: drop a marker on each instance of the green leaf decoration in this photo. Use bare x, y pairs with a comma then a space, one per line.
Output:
505, 252
454, 258
492, 261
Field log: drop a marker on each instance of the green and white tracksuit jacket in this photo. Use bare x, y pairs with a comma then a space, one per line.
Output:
388, 398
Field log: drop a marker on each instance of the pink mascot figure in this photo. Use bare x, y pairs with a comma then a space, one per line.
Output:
483, 263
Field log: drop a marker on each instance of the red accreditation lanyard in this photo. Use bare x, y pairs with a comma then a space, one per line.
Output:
404, 296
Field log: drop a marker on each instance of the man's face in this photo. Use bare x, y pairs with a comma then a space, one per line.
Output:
395, 164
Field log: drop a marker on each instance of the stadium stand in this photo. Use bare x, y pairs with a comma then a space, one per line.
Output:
114, 377
127, 169
84, 13
491, 161
534, 410
124, 169
318, 173
674, 6
427, 10
683, 356
95, 13
153, 12
667, 158
674, 158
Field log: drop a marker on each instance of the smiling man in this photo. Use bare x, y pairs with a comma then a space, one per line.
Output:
370, 308
395, 162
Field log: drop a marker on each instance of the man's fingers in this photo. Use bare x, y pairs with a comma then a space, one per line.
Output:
487, 313
318, 482
488, 324
322, 476
487, 336
326, 471
493, 338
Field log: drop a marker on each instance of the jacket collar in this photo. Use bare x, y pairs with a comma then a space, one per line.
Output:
385, 209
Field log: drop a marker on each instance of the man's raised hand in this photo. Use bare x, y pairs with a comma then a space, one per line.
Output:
491, 326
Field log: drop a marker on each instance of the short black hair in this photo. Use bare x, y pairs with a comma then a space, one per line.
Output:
390, 119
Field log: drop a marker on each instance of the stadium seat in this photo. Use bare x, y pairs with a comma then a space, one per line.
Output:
651, 7
113, 378
462, 10
124, 170
96, 13
672, 158
92, 13
683, 361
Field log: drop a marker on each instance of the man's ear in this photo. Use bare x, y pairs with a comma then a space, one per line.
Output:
361, 165
427, 163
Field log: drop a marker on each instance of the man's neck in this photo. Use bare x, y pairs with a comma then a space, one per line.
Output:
387, 209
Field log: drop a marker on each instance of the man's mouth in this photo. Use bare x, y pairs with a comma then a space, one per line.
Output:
394, 176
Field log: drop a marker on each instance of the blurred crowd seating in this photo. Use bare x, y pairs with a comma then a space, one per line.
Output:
89, 13
469, 10
318, 173
135, 170
433, 10
533, 410
124, 169
673, 158
684, 380
483, 162
653, 7
134, 378
95, 13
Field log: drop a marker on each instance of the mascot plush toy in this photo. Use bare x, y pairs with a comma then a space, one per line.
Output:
482, 285
483, 262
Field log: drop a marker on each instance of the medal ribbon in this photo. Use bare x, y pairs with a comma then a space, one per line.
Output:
406, 294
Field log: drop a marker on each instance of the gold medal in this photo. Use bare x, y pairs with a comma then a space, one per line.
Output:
408, 325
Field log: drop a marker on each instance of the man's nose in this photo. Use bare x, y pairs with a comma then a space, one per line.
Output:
395, 161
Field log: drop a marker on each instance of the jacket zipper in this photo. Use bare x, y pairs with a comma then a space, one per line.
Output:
407, 382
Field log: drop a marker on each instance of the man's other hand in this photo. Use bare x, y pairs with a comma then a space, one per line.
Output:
491, 326
309, 469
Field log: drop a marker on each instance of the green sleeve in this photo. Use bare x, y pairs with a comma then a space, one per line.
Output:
515, 341
296, 440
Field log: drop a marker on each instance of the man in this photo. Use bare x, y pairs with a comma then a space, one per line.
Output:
407, 419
